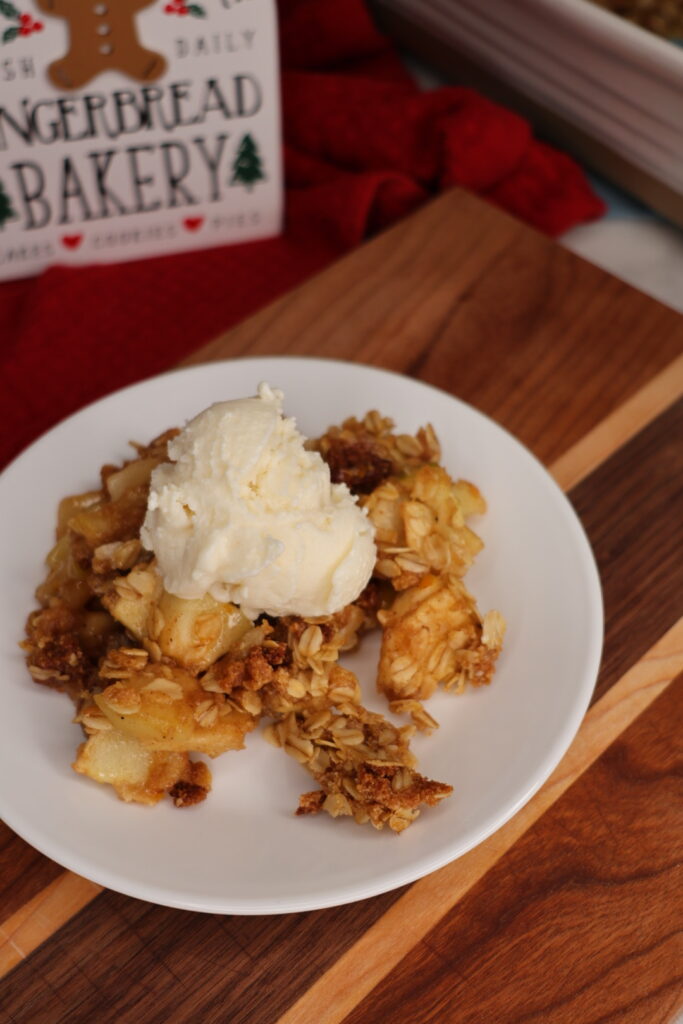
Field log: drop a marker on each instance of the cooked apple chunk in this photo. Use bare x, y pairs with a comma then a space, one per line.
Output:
194, 633
433, 634
165, 708
109, 521
132, 475
420, 526
116, 512
140, 775
132, 599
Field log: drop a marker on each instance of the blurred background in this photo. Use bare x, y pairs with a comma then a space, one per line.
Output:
566, 114
603, 80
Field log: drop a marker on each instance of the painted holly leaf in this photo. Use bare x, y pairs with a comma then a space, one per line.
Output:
9, 10
9, 34
196, 11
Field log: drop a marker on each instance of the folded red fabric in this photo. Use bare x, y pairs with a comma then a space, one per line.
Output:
363, 147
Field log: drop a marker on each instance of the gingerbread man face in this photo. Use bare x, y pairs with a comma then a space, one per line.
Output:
102, 37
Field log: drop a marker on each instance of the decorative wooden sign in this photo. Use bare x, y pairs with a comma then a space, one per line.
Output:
134, 128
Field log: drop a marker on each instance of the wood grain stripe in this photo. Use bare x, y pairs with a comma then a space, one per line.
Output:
620, 426
380, 949
42, 916
23, 872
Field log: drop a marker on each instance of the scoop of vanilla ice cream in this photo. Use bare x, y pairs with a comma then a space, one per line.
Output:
246, 514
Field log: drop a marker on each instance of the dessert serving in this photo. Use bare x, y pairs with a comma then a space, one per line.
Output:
212, 582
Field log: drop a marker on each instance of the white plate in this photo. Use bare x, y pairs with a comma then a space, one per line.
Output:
243, 851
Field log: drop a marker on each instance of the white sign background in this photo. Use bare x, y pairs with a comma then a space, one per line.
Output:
121, 169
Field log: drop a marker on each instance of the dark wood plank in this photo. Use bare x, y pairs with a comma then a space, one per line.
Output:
466, 298
122, 959
631, 507
543, 344
580, 921
23, 872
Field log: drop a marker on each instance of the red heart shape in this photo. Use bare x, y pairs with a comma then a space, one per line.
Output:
71, 241
193, 223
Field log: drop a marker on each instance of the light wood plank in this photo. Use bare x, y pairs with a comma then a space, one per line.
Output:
42, 916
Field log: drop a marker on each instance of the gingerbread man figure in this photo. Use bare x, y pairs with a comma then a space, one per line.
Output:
102, 37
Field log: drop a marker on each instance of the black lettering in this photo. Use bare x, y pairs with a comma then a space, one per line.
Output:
245, 84
72, 188
101, 162
95, 105
32, 197
175, 175
48, 132
66, 108
27, 67
123, 99
152, 96
180, 91
24, 132
213, 89
139, 181
212, 163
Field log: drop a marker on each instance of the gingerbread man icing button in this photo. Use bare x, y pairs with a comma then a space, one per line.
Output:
102, 37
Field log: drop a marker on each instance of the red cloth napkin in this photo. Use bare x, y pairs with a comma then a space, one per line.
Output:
363, 147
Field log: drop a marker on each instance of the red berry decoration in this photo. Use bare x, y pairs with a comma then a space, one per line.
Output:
25, 19
37, 26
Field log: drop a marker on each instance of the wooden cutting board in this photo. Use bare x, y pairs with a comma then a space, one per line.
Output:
571, 913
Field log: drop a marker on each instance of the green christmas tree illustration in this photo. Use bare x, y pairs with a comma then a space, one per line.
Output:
247, 166
6, 209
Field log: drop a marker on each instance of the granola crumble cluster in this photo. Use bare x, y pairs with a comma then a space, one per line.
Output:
156, 678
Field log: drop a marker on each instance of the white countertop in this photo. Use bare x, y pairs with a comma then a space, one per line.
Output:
635, 245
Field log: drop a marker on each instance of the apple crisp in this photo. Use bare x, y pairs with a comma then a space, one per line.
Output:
157, 680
